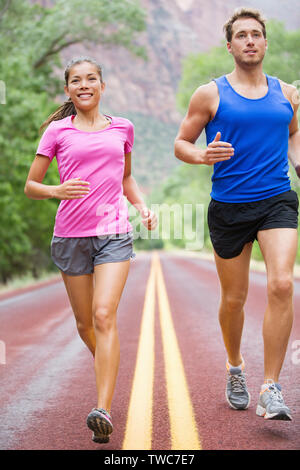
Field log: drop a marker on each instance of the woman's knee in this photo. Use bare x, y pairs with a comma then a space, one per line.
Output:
104, 318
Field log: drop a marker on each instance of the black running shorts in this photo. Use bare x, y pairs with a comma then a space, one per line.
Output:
232, 225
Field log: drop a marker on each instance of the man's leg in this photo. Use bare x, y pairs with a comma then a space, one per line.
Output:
234, 277
279, 249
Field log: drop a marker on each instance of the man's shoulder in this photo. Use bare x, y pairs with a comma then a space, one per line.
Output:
287, 86
206, 92
208, 88
290, 91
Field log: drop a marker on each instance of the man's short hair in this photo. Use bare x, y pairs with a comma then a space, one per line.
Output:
244, 13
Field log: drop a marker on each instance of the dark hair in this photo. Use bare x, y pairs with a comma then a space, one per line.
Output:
68, 108
244, 13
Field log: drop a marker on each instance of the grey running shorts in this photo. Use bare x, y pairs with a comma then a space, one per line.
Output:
77, 256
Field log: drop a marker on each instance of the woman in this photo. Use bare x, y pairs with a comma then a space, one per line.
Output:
92, 240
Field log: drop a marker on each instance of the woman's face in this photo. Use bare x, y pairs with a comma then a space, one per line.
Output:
84, 86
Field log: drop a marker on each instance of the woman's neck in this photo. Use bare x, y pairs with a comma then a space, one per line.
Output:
90, 120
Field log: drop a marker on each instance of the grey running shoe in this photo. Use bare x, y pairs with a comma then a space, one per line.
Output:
99, 421
236, 391
271, 404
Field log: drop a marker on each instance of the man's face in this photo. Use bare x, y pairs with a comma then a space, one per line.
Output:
248, 45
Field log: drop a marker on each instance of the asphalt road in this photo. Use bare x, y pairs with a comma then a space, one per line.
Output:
171, 382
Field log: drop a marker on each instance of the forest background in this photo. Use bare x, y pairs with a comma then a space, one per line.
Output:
154, 55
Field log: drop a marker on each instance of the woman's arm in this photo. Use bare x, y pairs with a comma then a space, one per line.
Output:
35, 189
135, 197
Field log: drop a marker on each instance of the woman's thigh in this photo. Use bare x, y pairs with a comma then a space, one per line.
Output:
110, 279
80, 291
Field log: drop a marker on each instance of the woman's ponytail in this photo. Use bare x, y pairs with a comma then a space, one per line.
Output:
66, 109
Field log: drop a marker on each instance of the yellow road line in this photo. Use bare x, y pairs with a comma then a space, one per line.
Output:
183, 425
138, 434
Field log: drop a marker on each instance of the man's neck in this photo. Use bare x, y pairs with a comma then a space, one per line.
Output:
252, 77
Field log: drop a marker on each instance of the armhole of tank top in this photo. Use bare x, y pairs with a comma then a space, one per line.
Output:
278, 85
218, 107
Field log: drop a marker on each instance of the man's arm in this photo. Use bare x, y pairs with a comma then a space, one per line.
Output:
294, 150
294, 140
201, 110
292, 95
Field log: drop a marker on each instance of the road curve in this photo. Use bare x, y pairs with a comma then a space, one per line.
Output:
170, 339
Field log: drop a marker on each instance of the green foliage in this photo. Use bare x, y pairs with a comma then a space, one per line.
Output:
199, 69
153, 150
31, 38
183, 199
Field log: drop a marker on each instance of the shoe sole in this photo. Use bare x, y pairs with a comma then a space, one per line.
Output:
234, 407
101, 427
280, 416
100, 438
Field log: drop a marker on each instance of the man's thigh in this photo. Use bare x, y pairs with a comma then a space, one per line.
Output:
279, 249
234, 273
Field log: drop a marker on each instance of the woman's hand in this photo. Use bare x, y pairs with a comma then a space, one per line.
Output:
74, 188
149, 219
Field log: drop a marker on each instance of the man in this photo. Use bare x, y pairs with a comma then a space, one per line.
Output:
251, 128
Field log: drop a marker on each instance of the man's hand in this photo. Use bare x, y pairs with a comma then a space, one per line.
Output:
216, 151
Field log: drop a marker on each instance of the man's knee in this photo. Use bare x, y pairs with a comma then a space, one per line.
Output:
280, 287
232, 303
84, 328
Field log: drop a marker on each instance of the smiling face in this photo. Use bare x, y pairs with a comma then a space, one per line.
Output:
85, 86
248, 44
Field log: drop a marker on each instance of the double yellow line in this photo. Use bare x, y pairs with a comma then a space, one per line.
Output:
138, 434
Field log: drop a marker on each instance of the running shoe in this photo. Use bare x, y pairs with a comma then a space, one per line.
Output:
271, 404
236, 391
99, 421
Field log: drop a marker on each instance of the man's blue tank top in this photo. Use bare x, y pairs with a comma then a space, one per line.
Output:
258, 129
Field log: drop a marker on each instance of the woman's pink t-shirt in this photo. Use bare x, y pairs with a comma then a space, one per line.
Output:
99, 158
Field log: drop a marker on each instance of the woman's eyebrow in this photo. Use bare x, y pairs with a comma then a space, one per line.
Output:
78, 76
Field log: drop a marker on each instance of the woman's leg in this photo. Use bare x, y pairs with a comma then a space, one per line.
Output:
80, 292
110, 279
